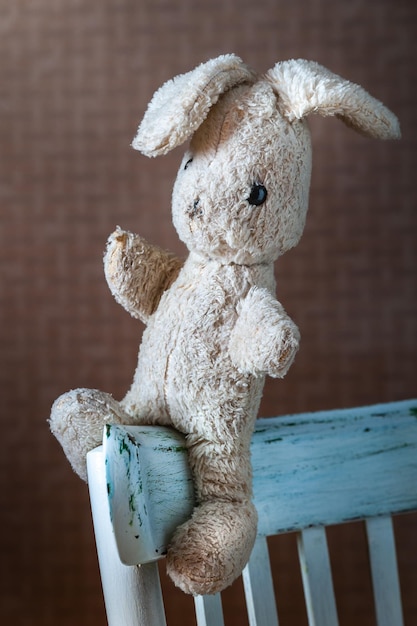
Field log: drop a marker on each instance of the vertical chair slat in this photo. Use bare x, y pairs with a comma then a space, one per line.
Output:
132, 594
317, 577
209, 610
259, 589
384, 570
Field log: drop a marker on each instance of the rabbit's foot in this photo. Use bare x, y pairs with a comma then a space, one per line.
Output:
77, 421
209, 552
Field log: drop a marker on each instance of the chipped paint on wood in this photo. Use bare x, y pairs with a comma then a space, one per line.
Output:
150, 488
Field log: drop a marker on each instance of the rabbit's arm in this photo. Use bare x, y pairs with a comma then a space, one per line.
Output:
264, 339
138, 273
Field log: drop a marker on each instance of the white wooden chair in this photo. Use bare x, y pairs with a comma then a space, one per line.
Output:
310, 470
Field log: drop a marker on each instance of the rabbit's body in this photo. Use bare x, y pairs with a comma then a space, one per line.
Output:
189, 330
214, 327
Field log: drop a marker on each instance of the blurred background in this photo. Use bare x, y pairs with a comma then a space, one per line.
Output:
76, 77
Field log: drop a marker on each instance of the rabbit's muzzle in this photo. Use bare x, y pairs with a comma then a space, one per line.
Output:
195, 209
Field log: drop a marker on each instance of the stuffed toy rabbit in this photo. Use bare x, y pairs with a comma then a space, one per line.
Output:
214, 328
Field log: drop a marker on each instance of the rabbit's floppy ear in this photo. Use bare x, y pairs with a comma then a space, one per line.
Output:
306, 87
181, 105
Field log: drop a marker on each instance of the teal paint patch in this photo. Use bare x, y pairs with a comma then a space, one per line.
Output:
173, 449
132, 506
123, 447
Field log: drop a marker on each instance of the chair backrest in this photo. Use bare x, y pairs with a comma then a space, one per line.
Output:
310, 470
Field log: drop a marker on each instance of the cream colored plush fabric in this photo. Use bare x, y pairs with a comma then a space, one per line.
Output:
214, 326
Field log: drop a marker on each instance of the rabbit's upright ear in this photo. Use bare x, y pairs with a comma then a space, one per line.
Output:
181, 105
306, 87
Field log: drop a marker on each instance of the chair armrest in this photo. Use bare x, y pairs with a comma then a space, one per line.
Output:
150, 488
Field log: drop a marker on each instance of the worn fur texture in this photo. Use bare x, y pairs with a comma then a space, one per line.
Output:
214, 327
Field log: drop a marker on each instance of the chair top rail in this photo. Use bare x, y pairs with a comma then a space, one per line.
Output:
335, 466
309, 469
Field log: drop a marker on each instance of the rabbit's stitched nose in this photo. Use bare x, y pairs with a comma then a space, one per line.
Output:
195, 209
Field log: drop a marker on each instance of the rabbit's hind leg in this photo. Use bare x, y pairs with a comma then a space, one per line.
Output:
77, 421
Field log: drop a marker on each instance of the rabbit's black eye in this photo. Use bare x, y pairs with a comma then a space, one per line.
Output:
188, 163
258, 195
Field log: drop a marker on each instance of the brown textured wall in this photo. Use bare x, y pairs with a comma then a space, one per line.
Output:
74, 82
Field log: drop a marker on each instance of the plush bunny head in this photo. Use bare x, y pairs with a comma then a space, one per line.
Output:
241, 193
240, 196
